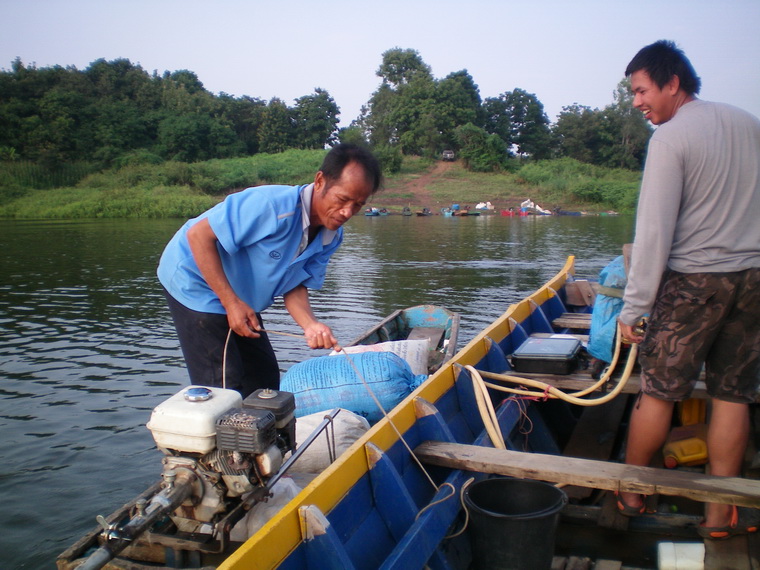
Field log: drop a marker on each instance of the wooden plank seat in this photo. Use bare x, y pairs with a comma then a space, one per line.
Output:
573, 321
592, 473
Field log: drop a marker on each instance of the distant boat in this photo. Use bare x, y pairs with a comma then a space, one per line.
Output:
407, 211
371, 212
425, 212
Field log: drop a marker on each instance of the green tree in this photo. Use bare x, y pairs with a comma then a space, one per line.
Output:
616, 136
316, 120
529, 125
479, 151
579, 133
405, 94
415, 111
400, 66
413, 115
458, 103
376, 120
353, 134
184, 138
246, 114
277, 127
119, 127
627, 130
497, 119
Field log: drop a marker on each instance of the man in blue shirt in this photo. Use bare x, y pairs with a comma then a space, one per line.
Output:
221, 269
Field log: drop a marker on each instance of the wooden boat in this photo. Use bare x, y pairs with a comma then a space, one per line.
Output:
375, 507
395, 498
437, 324
425, 212
164, 546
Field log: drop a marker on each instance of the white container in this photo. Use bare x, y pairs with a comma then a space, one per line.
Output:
680, 556
187, 421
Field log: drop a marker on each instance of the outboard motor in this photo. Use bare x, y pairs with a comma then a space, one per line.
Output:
221, 456
233, 446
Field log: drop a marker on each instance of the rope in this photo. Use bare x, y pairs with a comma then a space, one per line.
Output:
224, 359
227, 342
464, 508
390, 421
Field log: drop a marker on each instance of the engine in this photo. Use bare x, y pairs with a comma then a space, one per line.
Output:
232, 446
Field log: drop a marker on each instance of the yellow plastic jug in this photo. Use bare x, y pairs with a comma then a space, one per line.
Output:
686, 445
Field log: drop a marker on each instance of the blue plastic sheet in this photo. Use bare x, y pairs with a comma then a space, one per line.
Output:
606, 311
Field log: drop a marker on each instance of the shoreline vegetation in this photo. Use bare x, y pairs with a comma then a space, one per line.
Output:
142, 188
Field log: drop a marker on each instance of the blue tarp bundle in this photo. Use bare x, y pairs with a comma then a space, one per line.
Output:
606, 311
330, 382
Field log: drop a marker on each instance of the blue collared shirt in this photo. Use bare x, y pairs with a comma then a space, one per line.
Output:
262, 237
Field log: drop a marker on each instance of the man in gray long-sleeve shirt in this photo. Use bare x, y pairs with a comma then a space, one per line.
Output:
695, 270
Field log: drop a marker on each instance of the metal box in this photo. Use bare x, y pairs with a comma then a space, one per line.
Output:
547, 355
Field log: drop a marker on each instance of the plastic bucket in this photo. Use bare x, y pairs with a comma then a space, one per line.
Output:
513, 523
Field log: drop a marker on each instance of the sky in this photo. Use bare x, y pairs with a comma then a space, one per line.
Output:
563, 52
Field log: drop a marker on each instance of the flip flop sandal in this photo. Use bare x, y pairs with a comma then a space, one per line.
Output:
627, 510
736, 526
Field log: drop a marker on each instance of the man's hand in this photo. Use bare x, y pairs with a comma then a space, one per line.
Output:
242, 319
630, 334
319, 335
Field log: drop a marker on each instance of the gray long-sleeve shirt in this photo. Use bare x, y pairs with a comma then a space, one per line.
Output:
699, 207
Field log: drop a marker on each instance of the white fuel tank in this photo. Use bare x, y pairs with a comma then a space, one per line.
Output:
186, 422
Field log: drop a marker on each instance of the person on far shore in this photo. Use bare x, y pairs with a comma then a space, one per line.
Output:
221, 269
695, 270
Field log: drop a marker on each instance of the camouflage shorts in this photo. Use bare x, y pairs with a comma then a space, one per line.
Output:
710, 319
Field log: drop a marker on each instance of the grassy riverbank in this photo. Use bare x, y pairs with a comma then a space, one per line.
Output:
143, 190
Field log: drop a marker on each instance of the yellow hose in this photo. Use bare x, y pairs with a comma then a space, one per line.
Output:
487, 413
550, 391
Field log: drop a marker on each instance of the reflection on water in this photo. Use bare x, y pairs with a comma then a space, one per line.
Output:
87, 348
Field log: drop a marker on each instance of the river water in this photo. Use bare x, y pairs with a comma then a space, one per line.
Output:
87, 348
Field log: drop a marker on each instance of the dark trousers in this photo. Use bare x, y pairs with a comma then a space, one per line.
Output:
249, 363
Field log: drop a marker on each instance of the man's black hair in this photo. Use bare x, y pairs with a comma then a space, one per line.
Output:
343, 154
661, 61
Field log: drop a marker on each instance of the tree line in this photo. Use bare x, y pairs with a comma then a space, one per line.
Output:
114, 112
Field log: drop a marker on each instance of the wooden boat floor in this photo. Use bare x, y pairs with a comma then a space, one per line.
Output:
737, 553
